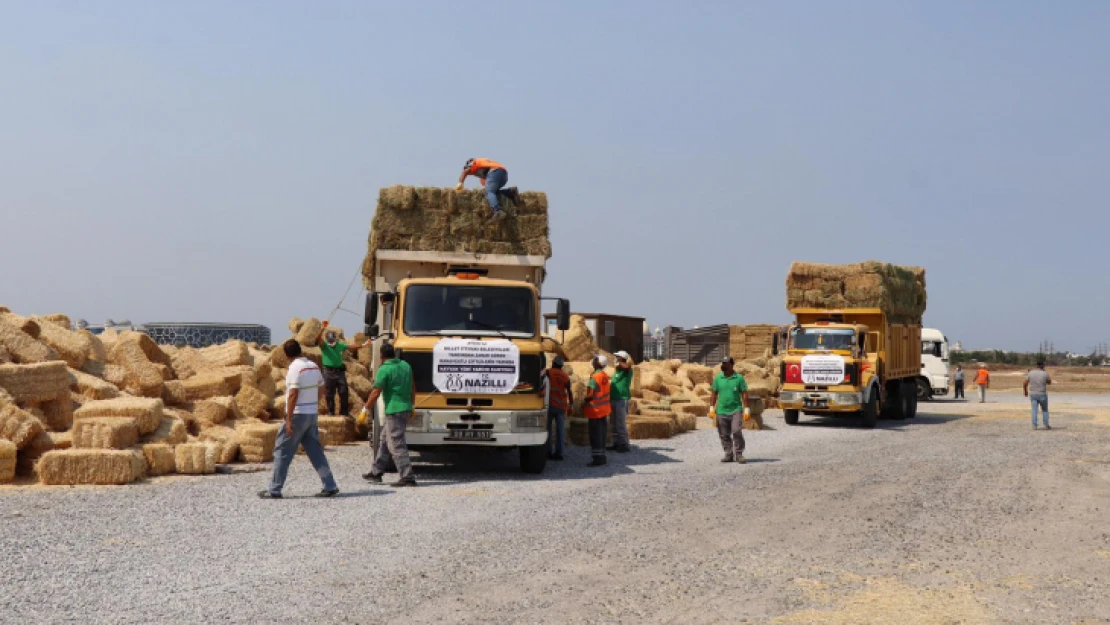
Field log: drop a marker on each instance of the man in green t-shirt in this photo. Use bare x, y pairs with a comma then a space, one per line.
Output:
334, 370
620, 393
730, 398
395, 385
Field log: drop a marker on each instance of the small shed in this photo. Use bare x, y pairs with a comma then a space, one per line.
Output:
612, 333
707, 346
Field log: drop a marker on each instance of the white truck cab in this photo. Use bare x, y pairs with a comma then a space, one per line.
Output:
933, 380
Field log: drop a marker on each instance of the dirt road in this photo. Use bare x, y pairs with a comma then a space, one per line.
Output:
963, 515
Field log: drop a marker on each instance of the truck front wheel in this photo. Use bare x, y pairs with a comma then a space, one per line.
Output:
924, 390
870, 413
790, 416
533, 458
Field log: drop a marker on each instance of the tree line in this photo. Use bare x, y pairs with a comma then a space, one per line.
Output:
1026, 359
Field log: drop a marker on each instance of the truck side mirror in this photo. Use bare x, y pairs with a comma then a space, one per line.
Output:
373, 332
370, 311
775, 344
562, 315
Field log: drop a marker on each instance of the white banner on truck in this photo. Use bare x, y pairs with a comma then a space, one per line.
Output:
825, 370
471, 366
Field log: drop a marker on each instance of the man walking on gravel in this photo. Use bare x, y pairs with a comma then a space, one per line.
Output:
621, 393
1036, 389
560, 399
983, 380
729, 396
395, 384
959, 379
598, 407
302, 385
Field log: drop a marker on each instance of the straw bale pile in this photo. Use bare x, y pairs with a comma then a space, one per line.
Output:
205, 386
340, 430
132, 352
17, 425
445, 220
7, 461
147, 413
28, 457
225, 440
35, 382
750, 341
195, 458
19, 337
160, 458
578, 341
231, 354
105, 433
253, 403
57, 414
90, 386
897, 290
256, 442
91, 466
172, 432
72, 347
62, 440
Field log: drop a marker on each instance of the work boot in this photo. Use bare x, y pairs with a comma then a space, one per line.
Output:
598, 461
497, 215
327, 493
513, 194
623, 449
741, 460
370, 477
1047, 426
404, 483
728, 458
265, 494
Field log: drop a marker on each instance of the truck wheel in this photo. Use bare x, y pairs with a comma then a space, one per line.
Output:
895, 405
924, 390
911, 409
870, 413
790, 416
533, 458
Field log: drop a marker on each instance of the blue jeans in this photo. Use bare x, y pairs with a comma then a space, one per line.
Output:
1042, 401
495, 180
305, 433
556, 418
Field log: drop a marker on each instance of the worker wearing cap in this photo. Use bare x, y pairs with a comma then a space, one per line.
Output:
621, 393
335, 370
729, 396
560, 399
493, 177
397, 388
983, 381
597, 408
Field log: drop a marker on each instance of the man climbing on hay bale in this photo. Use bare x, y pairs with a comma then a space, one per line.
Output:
730, 397
622, 392
493, 177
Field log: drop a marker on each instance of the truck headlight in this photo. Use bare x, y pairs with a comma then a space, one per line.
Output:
529, 421
847, 399
788, 397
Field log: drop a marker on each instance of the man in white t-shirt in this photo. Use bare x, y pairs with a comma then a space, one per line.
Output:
302, 385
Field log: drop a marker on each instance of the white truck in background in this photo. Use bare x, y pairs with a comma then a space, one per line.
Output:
934, 380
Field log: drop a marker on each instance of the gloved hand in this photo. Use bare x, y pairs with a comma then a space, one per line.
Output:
713, 411
364, 416
747, 414
458, 187
325, 324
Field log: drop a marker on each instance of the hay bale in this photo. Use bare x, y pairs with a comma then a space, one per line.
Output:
131, 352
206, 386
105, 433
640, 428
899, 291
17, 425
696, 409
339, 430
235, 378
650, 395
7, 461
256, 442
35, 382
231, 354
160, 458
686, 423
310, 332
19, 338
211, 412
295, 325
57, 414
698, 374
173, 393
360, 385
253, 403
62, 440
90, 386
226, 441
71, 467
28, 457
58, 319
578, 341
72, 347
114, 375
277, 408
186, 362
195, 458
357, 369
172, 431
147, 413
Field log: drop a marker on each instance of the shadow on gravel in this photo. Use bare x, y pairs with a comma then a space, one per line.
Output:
883, 424
346, 495
446, 469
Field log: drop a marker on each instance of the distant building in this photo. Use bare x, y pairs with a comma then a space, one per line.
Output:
205, 334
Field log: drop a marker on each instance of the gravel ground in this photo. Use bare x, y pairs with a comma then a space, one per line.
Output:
961, 515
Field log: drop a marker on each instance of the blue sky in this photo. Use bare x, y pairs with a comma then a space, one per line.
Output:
220, 161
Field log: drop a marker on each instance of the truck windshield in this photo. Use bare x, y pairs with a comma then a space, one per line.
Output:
469, 310
823, 339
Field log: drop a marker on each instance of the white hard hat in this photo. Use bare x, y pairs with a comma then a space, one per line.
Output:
622, 355
602, 360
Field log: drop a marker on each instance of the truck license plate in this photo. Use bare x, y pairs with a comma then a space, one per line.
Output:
470, 435
810, 402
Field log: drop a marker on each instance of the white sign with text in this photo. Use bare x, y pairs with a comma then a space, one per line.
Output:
472, 366
824, 370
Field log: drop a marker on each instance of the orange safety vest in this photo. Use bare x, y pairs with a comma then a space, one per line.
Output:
480, 164
558, 381
597, 405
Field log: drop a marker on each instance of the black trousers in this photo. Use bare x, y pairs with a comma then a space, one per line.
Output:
959, 390
336, 380
598, 429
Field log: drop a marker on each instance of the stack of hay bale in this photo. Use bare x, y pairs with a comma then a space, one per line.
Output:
79, 408
446, 220
897, 290
751, 341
